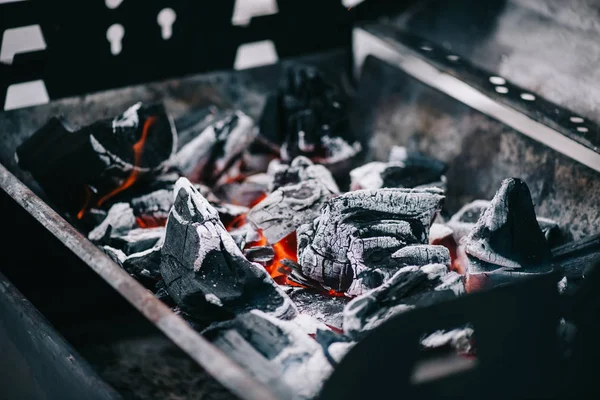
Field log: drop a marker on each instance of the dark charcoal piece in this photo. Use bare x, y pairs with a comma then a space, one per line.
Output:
206, 157
348, 247
460, 339
422, 255
154, 205
263, 255
288, 207
143, 266
508, 234
137, 240
404, 170
321, 306
119, 220
102, 155
309, 116
277, 353
299, 170
203, 268
410, 287
574, 258
481, 275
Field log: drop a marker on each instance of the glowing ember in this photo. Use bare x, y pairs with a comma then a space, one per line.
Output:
88, 197
138, 148
333, 293
146, 221
457, 254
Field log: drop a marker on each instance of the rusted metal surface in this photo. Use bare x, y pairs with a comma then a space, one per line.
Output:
36, 362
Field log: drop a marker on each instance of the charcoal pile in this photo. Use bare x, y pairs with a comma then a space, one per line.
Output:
246, 228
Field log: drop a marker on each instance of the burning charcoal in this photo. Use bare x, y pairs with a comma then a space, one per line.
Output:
348, 247
243, 235
309, 116
482, 275
119, 220
507, 234
263, 255
108, 155
439, 233
137, 240
300, 169
422, 255
288, 207
412, 172
152, 209
277, 353
463, 222
410, 287
203, 268
206, 157
323, 307
246, 194
459, 339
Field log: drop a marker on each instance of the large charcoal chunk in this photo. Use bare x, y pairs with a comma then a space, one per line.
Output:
119, 220
422, 255
103, 155
204, 269
348, 247
206, 157
299, 170
410, 287
507, 234
137, 240
288, 207
278, 353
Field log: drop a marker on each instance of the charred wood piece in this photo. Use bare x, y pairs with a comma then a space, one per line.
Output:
119, 220
348, 247
263, 255
143, 266
309, 116
203, 268
299, 170
507, 234
277, 353
409, 288
206, 157
155, 205
422, 255
288, 207
137, 240
103, 155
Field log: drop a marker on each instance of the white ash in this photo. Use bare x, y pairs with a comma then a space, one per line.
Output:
337, 150
199, 257
562, 285
459, 338
398, 154
156, 204
119, 220
368, 176
323, 307
439, 232
410, 287
145, 264
278, 353
300, 169
339, 349
211, 298
309, 324
115, 254
348, 247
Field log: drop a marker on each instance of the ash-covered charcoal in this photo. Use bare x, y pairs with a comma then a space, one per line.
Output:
299, 170
507, 234
152, 209
284, 210
277, 353
482, 275
116, 255
143, 266
309, 116
108, 155
244, 193
321, 306
404, 170
263, 255
348, 247
410, 287
460, 339
119, 220
137, 240
203, 268
244, 234
194, 122
335, 345
206, 157
422, 255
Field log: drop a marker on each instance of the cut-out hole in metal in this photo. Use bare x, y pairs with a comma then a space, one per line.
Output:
166, 18
497, 80
26, 94
527, 96
255, 54
114, 35
582, 129
452, 57
245, 10
21, 40
112, 4
576, 120
502, 89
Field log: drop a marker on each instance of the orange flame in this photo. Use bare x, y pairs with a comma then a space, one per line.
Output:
148, 221
88, 197
138, 148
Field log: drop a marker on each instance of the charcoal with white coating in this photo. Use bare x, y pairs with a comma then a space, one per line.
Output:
67, 162
507, 234
422, 255
203, 268
277, 353
206, 157
348, 247
409, 288
300, 169
138, 239
263, 255
460, 339
119, 220
321, 306
284, 210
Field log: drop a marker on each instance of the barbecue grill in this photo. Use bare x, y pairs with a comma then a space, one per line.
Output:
424, 77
